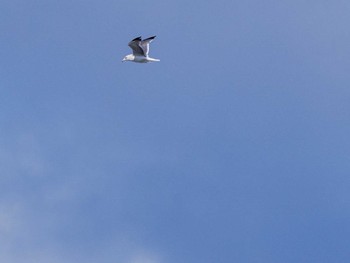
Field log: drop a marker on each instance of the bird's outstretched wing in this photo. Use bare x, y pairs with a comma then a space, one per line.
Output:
135, 46
145, 44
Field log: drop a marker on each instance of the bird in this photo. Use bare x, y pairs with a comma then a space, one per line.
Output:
140, 50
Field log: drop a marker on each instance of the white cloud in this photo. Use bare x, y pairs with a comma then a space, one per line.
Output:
21, 155
24, 239
145, 256
28, 223
10, 215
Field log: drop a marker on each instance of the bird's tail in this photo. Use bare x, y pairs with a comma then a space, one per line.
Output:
153, 60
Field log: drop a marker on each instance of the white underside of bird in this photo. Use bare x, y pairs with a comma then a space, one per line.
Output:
140, 59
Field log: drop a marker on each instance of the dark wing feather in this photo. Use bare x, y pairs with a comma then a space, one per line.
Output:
135, 46
145, 44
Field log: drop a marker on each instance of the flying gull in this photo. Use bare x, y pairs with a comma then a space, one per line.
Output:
140, 49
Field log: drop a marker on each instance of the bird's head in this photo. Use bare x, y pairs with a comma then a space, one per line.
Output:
128, 58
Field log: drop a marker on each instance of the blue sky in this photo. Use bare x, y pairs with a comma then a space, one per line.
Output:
234, 148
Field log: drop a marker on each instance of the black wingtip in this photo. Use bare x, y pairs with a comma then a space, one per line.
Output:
150, 38
137, 39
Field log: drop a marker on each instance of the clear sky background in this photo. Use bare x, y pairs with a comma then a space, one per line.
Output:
234, 148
